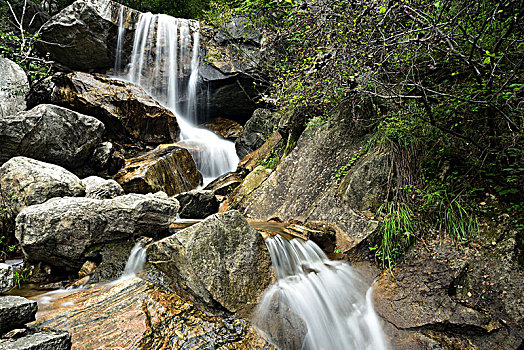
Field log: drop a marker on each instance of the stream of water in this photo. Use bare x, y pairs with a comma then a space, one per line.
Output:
317, 303
165, 62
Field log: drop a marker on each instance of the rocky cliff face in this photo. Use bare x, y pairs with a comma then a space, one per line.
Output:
305, 187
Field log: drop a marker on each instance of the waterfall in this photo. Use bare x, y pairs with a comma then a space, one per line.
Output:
135, 262
119, 41
165, 62
316, 303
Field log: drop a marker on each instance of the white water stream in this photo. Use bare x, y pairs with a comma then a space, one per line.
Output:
324, 300
165, 62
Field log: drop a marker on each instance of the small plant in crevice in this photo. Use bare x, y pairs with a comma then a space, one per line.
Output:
343, 170
20, 276
396, 229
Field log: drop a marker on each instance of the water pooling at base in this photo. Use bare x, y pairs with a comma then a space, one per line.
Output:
317, 303
165, 62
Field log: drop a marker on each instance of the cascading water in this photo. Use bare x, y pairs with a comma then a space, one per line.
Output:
165, 53
135, 262
316, 303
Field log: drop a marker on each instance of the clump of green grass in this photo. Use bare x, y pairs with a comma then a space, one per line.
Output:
397, 228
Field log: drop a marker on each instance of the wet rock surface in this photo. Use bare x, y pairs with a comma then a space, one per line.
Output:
197, 204
461, 298
50, 133
134, 314
61, 230
99, 188
226, 128
15, 312
13, 87
126, 110
83, 35
167, 168
221, 261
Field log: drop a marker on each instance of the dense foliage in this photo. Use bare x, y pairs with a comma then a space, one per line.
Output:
445, 80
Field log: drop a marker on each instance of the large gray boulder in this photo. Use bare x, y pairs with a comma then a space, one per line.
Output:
50, 133
16, 312
61, 230
13, 87
99, 188
197, 204
83, 36
25, 181
256, 131
6, 278
221, 261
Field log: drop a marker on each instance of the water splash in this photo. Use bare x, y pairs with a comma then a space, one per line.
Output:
165, 62
316, 303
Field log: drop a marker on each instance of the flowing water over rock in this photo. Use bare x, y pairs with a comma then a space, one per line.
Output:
165, 62
316, 303
135, 263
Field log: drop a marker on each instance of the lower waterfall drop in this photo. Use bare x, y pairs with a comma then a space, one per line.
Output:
316, 303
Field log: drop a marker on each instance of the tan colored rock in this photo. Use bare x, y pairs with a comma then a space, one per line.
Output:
226, 128
167, 168
136, 315
126, 110
252, 181
224, 184
253, 159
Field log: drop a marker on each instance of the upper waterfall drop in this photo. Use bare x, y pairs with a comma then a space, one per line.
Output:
165, 62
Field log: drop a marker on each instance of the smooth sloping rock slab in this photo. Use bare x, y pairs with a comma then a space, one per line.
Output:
6, 278
50, 133
15, 312
99, 188
197, 204
83, 35
304, 186
13, 87
60, 231
125, 108
38, 340
220, 261
25, 181
167, 168
136, 315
